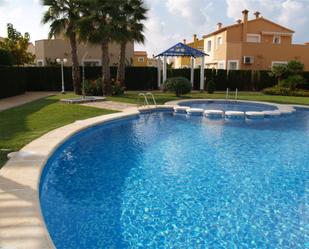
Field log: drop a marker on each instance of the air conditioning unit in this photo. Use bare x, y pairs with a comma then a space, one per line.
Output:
248, 60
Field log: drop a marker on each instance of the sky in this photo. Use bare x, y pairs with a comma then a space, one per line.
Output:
171, 21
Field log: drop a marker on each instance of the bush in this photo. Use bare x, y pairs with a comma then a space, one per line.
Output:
117, 90
279, 90
178, 85
292, 82
93, 87
6, 58
211, 86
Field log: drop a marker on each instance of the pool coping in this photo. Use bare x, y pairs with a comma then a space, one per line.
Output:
22, 224
281, 107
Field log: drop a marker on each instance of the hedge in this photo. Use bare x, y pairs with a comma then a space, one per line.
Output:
16, 80
12, 81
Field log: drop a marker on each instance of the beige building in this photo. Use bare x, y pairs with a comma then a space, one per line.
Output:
255, 44
140, 59
185, 62
47, 51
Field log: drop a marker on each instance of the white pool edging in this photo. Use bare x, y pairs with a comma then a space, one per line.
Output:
22, 224
283, 110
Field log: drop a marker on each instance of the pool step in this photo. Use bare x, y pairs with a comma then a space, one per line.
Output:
232, 114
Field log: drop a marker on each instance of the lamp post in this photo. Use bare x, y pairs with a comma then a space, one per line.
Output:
83, 86
62, 62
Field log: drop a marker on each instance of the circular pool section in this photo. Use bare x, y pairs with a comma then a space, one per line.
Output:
227, 105
166, 181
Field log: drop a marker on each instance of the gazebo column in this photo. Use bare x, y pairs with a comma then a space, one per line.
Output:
202, 81
192, 71
159, 72
164, 69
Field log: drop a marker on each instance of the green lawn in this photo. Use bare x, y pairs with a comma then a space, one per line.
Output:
132, 97
21, 125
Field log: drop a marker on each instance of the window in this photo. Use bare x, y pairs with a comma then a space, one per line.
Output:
276, 63
221, 65
140, 59
219, 41
92, 63
232, 65
40, 63
255, 38
277, 39
208, 46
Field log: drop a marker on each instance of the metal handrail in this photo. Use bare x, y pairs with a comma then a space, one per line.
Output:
153, 98
145, 98
227, 94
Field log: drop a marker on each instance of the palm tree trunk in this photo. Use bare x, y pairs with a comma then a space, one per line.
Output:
121, 64
106, 76
75, 65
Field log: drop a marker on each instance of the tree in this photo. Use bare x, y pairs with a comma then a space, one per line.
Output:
63, 16
289, 75
295, 67
5, 58
17, 44
132, 13
98, 26
279, 71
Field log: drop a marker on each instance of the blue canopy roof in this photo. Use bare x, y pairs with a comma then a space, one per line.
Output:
181, 49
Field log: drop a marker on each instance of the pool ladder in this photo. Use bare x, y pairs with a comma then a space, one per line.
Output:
146, 102
227, 94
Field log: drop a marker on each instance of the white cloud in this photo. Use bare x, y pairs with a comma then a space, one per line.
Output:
190, 10
157, 37
294, 12
266, 7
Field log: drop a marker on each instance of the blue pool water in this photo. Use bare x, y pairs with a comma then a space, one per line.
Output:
164, 181
228, 106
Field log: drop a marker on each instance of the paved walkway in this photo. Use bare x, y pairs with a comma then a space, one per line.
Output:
111, 105
18, 100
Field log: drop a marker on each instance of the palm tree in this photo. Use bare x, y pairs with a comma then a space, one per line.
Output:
97, 27
131, 27
63, 16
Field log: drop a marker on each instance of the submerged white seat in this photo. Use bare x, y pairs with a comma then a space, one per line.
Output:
181, 109
195, 111
254, 115
286, 112
234, 114
272, 114
214, 113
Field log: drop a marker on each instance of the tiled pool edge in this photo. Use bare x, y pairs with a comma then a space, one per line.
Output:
20, 178
281, 107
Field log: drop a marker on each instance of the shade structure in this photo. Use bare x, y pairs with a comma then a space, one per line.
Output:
183, 50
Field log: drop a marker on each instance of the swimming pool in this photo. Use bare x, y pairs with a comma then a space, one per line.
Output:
164, 181
228, 105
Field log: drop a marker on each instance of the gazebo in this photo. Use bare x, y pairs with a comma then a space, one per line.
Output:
183, 50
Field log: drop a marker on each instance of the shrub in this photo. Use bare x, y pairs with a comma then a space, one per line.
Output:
211, 86
5, 58
295, 67
178, 85
279, 90
292, 82
93, 87
117, 90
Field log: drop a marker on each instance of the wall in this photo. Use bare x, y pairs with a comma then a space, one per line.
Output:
59, 48
266, 53
136, 62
